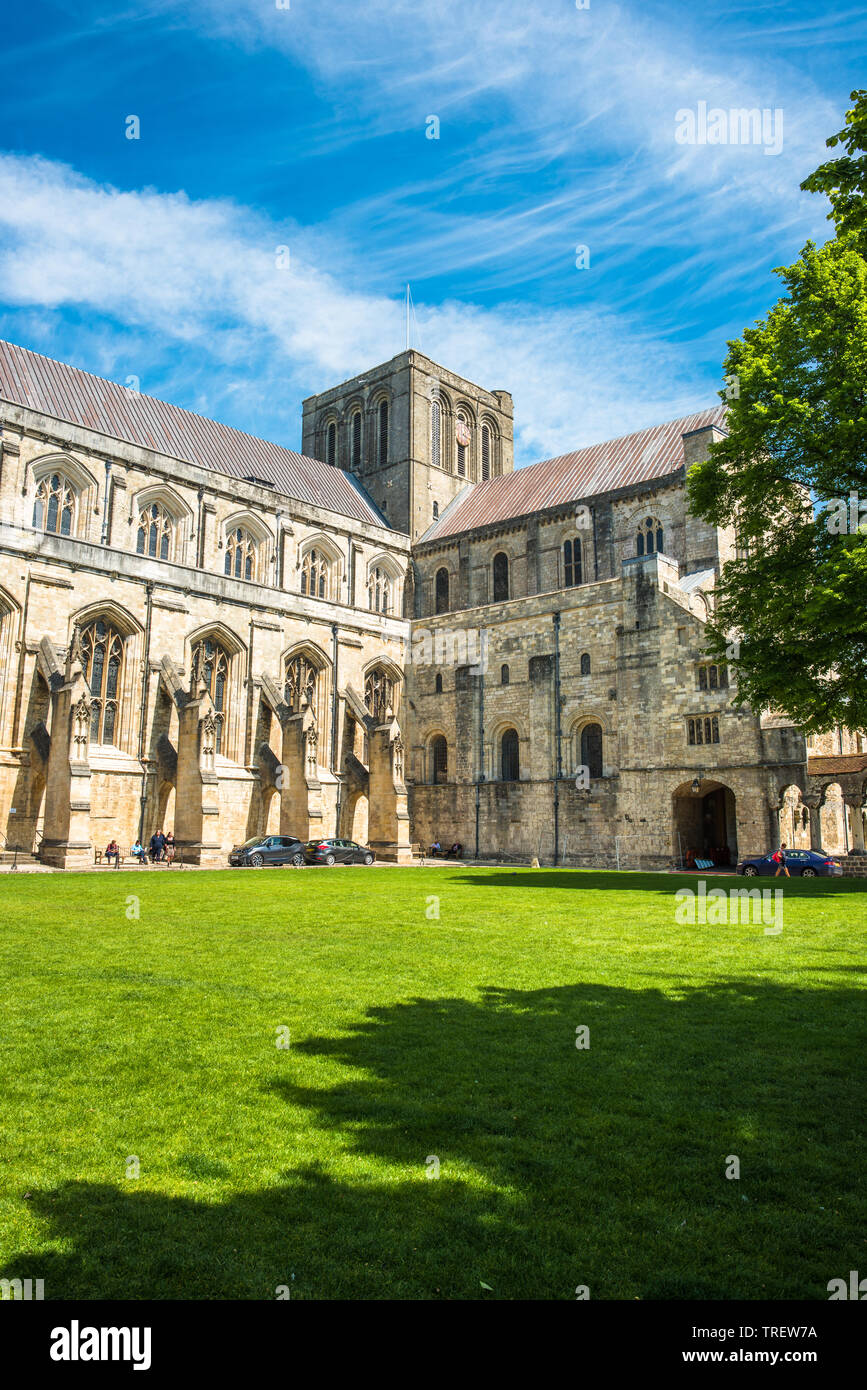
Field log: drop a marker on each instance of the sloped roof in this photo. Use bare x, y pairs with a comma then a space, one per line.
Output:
76, 397
633, 458
821, 765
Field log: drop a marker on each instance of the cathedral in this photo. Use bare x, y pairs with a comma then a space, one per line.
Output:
391, 637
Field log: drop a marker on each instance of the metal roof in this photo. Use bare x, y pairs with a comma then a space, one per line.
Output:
634, 458
78, 398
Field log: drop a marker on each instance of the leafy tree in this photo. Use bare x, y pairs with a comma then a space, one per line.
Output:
790, 478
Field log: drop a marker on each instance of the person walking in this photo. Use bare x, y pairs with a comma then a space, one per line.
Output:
169, 847
780, 860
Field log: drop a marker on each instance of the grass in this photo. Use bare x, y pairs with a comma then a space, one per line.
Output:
413, 1038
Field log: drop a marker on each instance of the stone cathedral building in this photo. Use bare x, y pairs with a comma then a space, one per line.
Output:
391, 637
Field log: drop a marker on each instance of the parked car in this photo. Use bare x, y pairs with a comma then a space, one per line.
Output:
806, 863
267, 849
337, 852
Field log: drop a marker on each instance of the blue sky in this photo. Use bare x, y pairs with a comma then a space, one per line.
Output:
306, 127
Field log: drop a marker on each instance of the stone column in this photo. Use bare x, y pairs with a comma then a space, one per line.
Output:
67, 843
388, 817
301, 807
197, 803
815, 828
857, 846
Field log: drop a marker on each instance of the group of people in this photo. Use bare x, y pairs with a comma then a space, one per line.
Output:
161, 849
456, 851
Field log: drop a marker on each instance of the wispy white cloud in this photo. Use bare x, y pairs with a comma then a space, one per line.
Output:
173, 276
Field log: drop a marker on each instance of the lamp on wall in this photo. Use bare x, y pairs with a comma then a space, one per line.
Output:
696, 784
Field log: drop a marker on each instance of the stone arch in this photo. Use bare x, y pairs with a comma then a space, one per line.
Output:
127, 700
175, 507
436, 769
577, 726
704, 821
327, 553
384, 665
318, 659
223, 637
794, 818
495, 747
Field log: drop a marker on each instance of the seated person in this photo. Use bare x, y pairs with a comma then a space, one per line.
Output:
436, 848
138, 853
112, 850
456, 850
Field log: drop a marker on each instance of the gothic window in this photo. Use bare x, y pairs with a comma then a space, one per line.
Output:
379, 693
439, 760
649, 537
591, 749
240, 562
463, 436
501, 576
436, 511
383, 433
713, 677
300, 686
504, 675
703, 730
102, 651
379, 593
442, 591
572, 562
155, 530
486, 452
509, 765
315, 573
331, 444
436, 434
355, 457
213, 666
585, 663
438, 685
54, 505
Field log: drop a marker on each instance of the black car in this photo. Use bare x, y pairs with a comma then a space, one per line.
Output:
337, 852
801, 863
268, 849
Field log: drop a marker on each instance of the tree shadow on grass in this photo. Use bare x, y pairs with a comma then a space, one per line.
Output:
661, 882
558, 1166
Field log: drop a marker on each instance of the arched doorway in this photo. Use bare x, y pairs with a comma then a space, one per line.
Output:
704, 820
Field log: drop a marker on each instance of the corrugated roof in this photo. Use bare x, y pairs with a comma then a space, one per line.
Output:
76, 397
634, 458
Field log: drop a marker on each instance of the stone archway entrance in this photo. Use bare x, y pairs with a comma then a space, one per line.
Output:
704, 820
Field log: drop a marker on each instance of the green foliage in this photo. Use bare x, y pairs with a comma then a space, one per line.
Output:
844, 180
308, 1166
797, 438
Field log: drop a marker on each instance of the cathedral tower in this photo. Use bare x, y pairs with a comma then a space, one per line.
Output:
414, 434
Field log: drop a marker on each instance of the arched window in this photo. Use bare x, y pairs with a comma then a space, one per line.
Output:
54, 505
442, 591
486, 452
212, 664
438, 684
463, 437
650, 536
585, 663
355, 457
379, 593
504, 675
155, 532
591, 749
501, 576
509, 766
331, 444
383, 433
439, 760
240, 560
102, 651
572, 563
315, 574
379, 693
300, 683
436, 433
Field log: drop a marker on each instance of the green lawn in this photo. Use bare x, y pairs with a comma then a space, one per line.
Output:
414, 1037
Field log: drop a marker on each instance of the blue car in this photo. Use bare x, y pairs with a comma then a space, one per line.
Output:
804, 862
